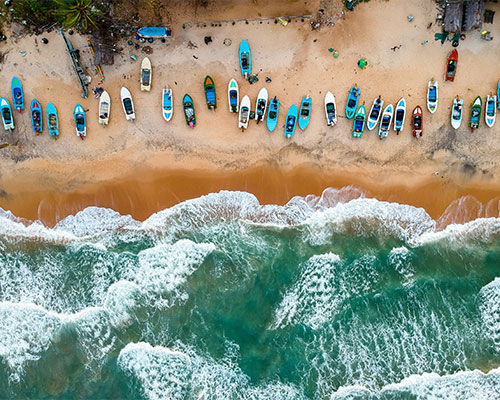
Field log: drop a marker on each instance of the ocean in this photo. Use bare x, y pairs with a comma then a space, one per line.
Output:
330, 297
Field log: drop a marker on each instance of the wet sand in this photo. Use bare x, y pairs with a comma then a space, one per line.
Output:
148, 191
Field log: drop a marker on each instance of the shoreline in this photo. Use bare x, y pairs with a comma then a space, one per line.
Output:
45, 179
147, 191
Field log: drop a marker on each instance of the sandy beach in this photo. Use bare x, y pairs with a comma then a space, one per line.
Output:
139, 168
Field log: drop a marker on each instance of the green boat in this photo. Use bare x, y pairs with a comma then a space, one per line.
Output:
210, 93
358, 125
475, 112
188, 106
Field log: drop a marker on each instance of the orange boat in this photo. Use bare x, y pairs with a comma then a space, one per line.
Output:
451, 66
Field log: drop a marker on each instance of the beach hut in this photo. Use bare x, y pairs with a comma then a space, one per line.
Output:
453, 16
473, 14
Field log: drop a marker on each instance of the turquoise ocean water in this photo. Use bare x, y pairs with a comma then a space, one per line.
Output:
331, 297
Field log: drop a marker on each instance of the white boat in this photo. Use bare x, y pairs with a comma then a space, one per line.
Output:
432, 96
244, 115
399, 115
127, 103
330, 109
146, 74
104, 108
261, 105
385, 121
7, 117
167, 104
457, 111
490, 112
233, 96
375, 113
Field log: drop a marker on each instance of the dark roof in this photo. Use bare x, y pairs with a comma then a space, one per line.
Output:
473, 14
453, 17
103, 51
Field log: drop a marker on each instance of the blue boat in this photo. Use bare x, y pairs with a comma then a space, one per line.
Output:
352, 102
245, 59
291, 121
498, 95
154, 32
52, 120
17, 94
7, 117
272, 114
80, 121
36, 117
305, 112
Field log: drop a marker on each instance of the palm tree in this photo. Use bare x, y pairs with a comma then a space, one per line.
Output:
78, 13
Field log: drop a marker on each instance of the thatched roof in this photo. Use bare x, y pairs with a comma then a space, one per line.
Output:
453, 17
473, 14
103, 52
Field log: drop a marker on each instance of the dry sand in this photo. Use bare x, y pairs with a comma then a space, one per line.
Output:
144, 166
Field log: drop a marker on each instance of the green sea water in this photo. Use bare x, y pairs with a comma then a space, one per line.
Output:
331, 297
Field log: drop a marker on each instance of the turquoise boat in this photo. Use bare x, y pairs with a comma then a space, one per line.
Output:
245, 59
358, 124
305, 112
498, 95
80, 121
17, 94
7, 117
154, 32
36, 117
188, 106
52, 120
352, 102
272, 114
291, 121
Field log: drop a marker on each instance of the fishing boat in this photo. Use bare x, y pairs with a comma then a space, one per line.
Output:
358, 124
17, 94
80, 121
52, 120
210, 96
36, 117
146, 74
417, 122
375, 113
305, 112
385, 122
7, 117
167, 104
244, 113
188, 106
498, 95
245, 59
272, 114
432, 96
291, 121
233, 96
490, 112
475, 112
154, 32
127, 103
352, 102
399, 115
104, 108
330, 109
451, 65
457, 112
261, 105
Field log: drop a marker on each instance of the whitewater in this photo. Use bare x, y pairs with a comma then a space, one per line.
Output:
335, 296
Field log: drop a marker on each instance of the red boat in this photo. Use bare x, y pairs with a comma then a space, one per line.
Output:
416, 122
451, 66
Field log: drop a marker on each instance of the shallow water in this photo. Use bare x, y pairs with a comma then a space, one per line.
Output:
337, 297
